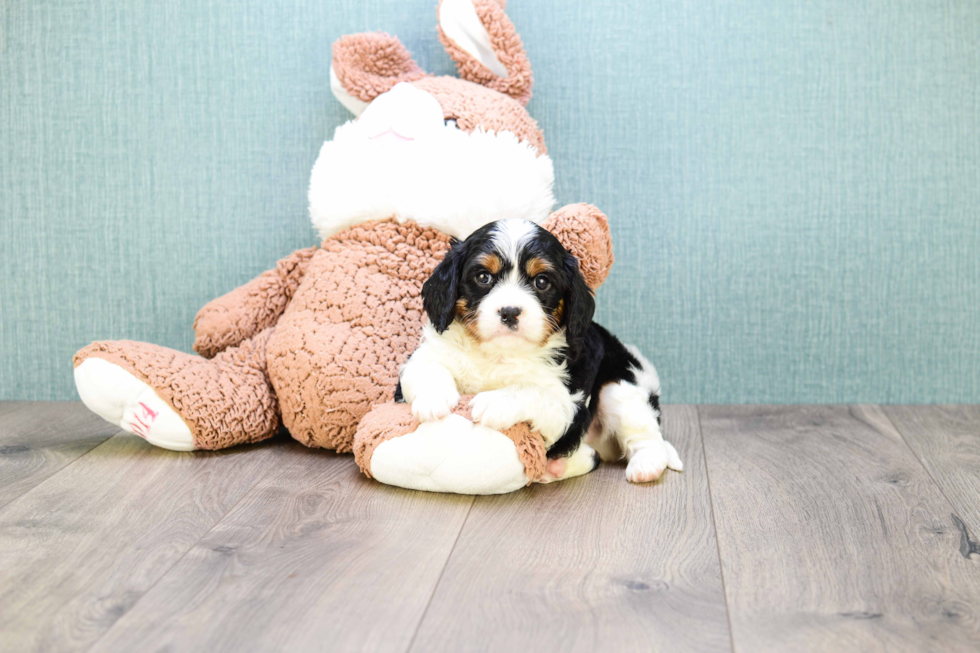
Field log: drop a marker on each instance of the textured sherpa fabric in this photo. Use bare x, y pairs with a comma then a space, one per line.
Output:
352, 316
584, 231
224, 401
247, 310
392, 420
380, 424
507, 47
370, 64
473, 106
353, 321
317, 342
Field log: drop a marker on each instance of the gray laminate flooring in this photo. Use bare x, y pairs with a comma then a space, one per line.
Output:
793, 528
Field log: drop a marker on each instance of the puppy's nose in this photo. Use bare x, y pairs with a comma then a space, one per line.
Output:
508, 315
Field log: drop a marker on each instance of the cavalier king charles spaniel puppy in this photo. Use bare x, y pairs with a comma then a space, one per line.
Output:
510, 320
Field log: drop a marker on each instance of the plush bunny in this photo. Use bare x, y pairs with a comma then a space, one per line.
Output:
317, 341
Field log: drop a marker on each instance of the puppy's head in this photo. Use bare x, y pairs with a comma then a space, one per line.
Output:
510, 281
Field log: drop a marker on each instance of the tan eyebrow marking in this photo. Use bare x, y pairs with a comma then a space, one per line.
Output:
491, 262
536, 266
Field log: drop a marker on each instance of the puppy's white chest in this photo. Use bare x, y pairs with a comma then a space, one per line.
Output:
479, 368
481, 374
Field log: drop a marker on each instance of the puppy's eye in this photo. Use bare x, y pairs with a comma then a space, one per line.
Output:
484, 278
541, 282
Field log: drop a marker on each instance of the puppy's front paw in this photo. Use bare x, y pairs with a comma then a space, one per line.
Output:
496, 409
432, 406
648, 464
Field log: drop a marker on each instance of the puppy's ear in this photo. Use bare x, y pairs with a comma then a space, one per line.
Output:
579, 308
441, 290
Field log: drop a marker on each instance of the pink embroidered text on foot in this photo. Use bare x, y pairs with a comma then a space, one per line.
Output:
139, 427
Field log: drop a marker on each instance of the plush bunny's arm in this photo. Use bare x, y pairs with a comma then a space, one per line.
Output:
247, 310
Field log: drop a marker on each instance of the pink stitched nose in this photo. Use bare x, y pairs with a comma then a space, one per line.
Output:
391, 135
401, 115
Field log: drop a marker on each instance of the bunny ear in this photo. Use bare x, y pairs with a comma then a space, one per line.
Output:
366, 65
482, 41
584, 231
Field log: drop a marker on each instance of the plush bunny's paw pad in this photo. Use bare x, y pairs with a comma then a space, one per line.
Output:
120, 398
432, 406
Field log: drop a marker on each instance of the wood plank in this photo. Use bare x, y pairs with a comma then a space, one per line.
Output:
832, 536
947, 441
37, 439
317, 557
77, 551
10, 406
589, 564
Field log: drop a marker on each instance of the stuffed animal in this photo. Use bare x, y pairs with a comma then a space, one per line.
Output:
316, 342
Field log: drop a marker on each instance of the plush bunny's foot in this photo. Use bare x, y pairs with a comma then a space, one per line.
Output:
179, 401
583, 461
120, 398
449, 455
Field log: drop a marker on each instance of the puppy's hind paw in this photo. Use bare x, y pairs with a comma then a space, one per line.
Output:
584, 460
554, 471
673, 459
648, 464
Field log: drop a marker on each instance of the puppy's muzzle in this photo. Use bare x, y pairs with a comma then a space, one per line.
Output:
508, 315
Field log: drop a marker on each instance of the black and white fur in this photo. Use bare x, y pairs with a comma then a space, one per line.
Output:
510, 320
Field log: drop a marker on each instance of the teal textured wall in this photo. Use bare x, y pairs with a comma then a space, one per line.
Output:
794, 185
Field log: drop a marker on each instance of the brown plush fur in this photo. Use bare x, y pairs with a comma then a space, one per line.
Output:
317, 342
372, 63
472, 106
353, 322
508, 48
225, 401
584, 231
249, 309
342, 319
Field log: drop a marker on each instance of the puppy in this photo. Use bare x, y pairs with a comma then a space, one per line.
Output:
510, 320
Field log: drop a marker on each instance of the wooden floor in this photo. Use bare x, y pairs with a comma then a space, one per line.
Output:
819, 528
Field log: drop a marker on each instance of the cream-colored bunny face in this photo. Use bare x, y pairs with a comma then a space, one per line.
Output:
402, 115
400, 159
454, 154
477, 34
496, 74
